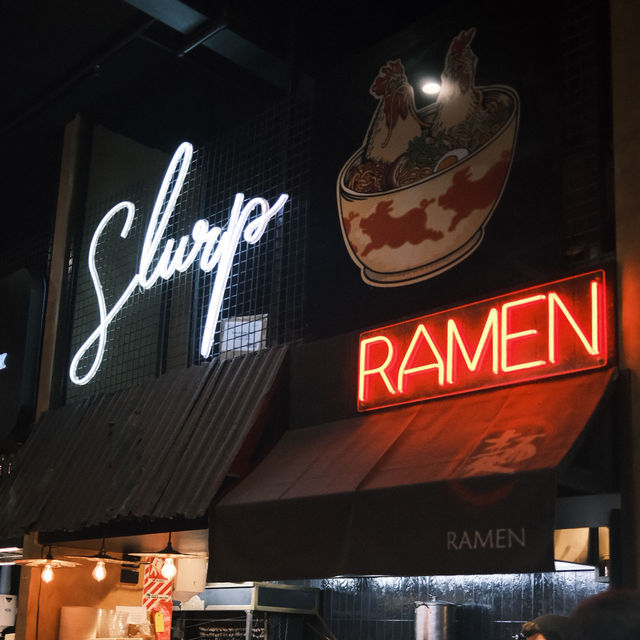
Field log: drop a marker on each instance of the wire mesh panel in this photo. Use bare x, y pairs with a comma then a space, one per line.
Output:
218, 275
193, 625
244, 625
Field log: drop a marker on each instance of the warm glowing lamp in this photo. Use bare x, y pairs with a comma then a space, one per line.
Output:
168, 570
99, 571
47, 573
101, 558
48, 564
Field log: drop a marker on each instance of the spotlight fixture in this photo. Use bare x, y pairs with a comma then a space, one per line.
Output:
431, 87
48, 564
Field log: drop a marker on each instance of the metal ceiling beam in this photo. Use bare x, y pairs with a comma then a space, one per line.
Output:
173, 13
218, 37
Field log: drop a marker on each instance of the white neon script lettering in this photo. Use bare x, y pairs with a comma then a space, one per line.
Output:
214, 246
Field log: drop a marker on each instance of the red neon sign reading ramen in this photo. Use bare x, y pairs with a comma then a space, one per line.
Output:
543, 331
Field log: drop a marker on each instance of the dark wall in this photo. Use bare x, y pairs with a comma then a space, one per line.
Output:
491, 607
324, 380
554, 215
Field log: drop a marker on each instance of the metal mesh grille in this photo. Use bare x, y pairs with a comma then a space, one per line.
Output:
161, 327
196, 626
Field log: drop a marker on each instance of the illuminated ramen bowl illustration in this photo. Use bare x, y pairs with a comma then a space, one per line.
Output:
416, 231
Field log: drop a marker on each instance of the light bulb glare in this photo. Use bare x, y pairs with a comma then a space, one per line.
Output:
99, 571
47, 573
168, 569
431, 87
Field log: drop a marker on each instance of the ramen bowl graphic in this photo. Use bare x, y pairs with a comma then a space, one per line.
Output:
416, 231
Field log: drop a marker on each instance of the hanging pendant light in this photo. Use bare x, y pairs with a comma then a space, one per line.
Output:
48, 564
99, 572
169, 554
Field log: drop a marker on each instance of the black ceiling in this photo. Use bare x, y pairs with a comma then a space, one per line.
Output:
122, 64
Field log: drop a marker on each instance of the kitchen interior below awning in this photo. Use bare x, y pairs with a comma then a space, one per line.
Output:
465, 484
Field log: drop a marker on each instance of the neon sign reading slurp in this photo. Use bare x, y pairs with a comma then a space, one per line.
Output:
555, 328
161, 258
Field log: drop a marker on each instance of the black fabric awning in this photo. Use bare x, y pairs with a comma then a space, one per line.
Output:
465, 484
158, 450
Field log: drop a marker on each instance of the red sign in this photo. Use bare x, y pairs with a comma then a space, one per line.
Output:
156, 598
543, 331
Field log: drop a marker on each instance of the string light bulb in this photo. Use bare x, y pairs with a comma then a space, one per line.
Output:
99, 572
47, 573
168, 570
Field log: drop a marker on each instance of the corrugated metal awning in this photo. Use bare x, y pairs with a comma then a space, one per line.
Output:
158, 450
